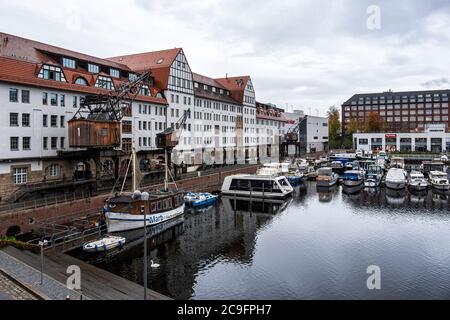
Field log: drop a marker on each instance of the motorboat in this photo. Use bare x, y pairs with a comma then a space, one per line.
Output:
257, 186
396, 179
373, 176
105, 244
292, 173
200, 199
439, 180
337, 166
306, 169
326, 178
353, 178
397, 162
417, 181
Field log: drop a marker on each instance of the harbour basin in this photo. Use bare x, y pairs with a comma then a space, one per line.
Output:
316, 245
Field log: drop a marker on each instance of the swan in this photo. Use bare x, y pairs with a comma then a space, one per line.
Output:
153, 264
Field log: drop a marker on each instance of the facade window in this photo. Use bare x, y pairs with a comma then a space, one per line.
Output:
25, 96
62, 142
52, 73
13, 119
13, 95
93, 68
20, 175
63, 100
45, 120
132, 76
45, 143
25, 120
54, 121
45, 98
105, 83
81, 81
14, 143
54, 143
69, 63
53, 99
144, 91
114, 73
127, 127
26, 143
62, 121
53, 170
75, 102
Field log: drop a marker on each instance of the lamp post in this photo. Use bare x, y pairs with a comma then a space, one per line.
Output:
42, 244
144, 197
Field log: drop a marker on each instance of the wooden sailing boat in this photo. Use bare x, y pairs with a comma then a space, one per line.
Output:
126, 211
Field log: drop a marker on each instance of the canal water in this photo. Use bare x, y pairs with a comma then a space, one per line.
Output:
317, 245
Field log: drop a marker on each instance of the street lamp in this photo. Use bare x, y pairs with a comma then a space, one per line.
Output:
42, 244
144, 197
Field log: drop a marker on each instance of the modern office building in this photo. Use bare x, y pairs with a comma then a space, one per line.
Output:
433, 139
408, 111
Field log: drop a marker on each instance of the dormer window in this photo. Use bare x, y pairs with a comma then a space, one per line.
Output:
93, 68
105, 83
221, 91
52, 73
132, 76
196, 85
205, 87
144, 91
114, 73
81, 81
69, 63
213, 89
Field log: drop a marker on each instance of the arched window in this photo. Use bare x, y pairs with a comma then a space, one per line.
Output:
81, 81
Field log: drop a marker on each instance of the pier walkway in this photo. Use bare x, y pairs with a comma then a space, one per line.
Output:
96, 283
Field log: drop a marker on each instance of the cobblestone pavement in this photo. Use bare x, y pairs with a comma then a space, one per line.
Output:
26, 274
9, 290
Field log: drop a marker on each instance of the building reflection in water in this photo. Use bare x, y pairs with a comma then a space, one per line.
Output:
224, 233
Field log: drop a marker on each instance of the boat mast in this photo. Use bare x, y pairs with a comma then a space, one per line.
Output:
166, 179
133, 159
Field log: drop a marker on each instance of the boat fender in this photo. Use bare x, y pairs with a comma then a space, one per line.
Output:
104, 246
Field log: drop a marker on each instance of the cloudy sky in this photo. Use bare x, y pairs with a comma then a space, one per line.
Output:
309, 54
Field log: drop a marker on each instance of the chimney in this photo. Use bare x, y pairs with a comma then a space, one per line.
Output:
226, 76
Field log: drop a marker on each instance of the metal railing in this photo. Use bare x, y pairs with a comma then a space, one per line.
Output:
47, 201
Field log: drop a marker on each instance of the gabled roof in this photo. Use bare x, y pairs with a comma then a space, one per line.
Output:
32, 51
159, 61
25, 73
236, 86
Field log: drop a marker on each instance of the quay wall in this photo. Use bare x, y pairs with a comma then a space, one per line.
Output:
23, 221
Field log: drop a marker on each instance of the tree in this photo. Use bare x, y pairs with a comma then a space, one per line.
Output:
373, 123
334, 126
352, 128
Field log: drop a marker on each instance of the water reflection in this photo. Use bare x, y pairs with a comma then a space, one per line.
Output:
316, 245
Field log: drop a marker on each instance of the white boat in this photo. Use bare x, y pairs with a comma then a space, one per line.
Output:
398, 163
105, 244
373, 176
439, 180
273, 169
353, 178
326, 178
417, 181
396, 179
257, 186
307, 171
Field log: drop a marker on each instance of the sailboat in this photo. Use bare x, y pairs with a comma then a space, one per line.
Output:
130, 211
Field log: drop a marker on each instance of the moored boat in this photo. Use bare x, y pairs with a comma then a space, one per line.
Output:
396, 179
257, 186
373, 176
326, 178
105, 244
417, 181
200, 199
439, 180
353, 178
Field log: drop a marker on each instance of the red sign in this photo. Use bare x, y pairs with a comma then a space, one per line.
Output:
391, 136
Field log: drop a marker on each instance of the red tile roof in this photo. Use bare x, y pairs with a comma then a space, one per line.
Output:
158, 61
32, 51
25, 73
236, 86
